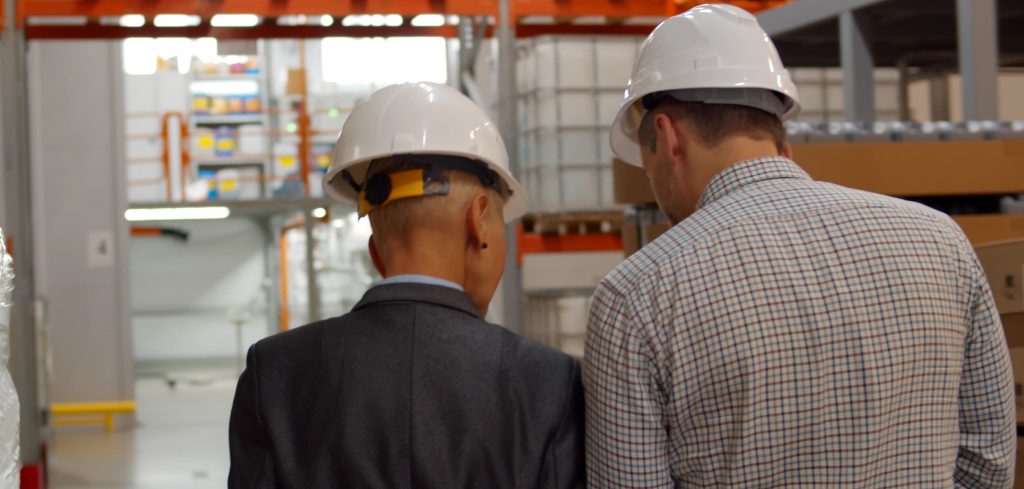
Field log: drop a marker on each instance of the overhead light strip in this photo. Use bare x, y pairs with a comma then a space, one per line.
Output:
176, 213
235, 20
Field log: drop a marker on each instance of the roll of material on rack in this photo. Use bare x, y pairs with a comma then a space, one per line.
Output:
9, 406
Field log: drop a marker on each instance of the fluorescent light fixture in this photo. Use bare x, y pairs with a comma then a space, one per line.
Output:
235, 20
537, 20
59, 20
319, 212
643, 20
590, 20
393, 20
326, 20
225, 87
428, 20
357, 20
177, 213
134, 20
176, 20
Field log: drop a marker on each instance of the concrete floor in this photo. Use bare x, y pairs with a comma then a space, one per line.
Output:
180, 441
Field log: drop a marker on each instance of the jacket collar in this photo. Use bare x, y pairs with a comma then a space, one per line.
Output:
430, 294
749, 172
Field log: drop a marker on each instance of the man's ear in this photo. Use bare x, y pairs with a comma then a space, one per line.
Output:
476, 220
787, 150
378, 263
670, 138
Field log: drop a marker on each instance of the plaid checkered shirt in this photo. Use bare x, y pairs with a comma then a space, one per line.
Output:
794, 333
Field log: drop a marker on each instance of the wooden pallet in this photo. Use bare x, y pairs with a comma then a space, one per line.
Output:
563, 223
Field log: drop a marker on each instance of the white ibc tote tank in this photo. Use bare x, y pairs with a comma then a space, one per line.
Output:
9, 409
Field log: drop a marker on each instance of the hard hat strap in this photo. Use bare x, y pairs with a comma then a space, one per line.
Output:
345, 174
385, 188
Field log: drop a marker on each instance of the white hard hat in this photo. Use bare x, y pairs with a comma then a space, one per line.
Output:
710, 53
417, 119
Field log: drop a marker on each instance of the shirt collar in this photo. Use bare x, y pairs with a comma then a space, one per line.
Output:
749, 172
420, 279
418, 292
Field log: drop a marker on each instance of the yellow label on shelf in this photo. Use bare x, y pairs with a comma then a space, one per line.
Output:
287, 161
228, 185
323, 160
206, 141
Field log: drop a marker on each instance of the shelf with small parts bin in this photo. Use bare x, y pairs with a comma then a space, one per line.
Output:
229, 129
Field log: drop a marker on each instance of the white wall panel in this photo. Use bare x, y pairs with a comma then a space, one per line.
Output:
76, 106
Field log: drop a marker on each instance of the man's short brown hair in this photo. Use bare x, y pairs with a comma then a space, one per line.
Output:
714, 123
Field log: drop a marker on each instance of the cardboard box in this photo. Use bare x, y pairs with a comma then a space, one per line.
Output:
916, 169
296, 84
990, 228
630, 184
1017, 361
908, 169
1004, 265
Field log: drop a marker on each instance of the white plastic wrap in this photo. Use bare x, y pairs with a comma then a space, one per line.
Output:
9, 409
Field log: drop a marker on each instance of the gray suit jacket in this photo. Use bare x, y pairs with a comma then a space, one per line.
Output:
411, 389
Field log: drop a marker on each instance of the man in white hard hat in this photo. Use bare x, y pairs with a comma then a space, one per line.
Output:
413, 388
784, 332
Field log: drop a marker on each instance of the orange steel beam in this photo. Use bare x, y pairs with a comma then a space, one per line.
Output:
673, 7
582, 8
165, 135
284, 325
165, 156
312, 32
338, 8
265, 8
186, 158
283, 267
304, 121
145, 231
263, 31
569, 243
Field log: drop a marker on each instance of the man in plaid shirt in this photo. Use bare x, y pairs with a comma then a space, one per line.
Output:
784, 332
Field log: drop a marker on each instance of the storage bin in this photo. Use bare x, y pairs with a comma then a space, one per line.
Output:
569, 188
251, 141
570, 89
576, 61
203, 140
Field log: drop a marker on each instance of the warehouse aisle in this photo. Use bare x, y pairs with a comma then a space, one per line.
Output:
181, 442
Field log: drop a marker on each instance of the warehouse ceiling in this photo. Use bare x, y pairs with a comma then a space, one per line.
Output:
921, 32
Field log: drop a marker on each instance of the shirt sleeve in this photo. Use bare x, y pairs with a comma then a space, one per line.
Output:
987, 418
627, 442
251, 465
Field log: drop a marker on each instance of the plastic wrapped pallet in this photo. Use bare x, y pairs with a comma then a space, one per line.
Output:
9, 407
